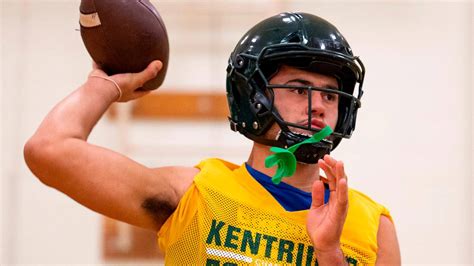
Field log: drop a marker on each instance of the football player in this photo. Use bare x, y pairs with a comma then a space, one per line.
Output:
294, 88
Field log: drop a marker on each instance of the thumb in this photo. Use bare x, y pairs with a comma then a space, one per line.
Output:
149, 72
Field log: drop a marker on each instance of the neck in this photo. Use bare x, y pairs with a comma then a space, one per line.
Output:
303, 178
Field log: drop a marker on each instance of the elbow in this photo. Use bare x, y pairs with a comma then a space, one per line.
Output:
37, 153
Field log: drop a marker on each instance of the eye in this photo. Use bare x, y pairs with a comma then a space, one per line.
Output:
300, 91
330, 97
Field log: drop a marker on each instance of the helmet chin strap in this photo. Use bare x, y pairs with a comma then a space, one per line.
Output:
308, 153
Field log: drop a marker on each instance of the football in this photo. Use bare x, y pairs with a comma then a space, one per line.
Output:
124, 36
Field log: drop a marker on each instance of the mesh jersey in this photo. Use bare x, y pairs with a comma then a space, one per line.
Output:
227, 218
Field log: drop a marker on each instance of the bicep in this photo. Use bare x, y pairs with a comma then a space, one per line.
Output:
388, 249
110, 183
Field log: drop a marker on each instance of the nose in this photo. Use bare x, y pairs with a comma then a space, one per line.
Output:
316, 107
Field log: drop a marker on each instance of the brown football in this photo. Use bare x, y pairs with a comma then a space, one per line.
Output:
124, 36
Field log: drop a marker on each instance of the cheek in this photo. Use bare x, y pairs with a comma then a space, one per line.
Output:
288, 112
289, 106
282, 105
332, 118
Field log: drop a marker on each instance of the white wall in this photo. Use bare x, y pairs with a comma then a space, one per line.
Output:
42, 60
412, 149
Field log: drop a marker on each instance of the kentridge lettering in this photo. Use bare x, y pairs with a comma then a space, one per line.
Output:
262, 245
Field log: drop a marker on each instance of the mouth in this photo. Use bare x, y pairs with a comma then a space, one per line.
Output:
317, 124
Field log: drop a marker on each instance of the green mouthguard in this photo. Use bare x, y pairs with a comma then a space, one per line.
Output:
285, 158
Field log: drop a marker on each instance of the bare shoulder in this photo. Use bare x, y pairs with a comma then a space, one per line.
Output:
389, 251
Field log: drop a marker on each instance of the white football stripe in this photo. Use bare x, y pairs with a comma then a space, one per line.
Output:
228, 254
89, 20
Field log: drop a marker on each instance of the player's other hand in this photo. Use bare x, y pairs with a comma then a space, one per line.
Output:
130, 84
325, 221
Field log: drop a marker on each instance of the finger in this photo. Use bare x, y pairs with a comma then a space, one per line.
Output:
317, 194
148, 73
341, 190
329, 175
340, 172
342, 197
324, 179
329, 160
140, 93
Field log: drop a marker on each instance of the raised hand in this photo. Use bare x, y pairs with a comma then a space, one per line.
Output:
325, 221
128, 84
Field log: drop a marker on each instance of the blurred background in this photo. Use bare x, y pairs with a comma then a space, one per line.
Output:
411, 151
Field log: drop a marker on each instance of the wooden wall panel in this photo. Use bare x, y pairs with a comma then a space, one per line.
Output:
122, 241
179, 106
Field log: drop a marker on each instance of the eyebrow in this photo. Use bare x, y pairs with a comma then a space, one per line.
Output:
308, 83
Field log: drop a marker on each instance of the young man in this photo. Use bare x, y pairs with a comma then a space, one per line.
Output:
289, 77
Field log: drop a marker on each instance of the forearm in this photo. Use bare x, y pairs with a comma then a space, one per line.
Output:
77, 114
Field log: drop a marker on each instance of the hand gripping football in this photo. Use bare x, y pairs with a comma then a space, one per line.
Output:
124, 36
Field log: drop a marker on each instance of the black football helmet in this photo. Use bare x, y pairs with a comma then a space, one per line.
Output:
299, 40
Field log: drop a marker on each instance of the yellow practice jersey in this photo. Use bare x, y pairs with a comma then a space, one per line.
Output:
227, 218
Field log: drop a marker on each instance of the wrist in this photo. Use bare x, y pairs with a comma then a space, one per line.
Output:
104, 87
331, 257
